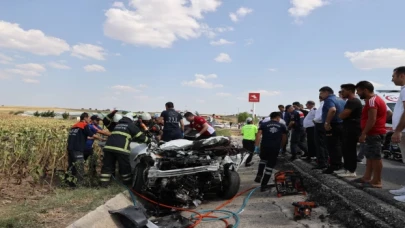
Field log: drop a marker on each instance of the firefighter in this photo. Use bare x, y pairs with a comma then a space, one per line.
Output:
76, 145
117, 148
150, 127
111, 120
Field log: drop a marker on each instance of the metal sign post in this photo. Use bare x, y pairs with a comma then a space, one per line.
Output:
254, 98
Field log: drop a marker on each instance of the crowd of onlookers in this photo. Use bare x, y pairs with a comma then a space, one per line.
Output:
330, 133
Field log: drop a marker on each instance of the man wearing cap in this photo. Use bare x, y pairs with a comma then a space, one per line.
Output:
76, 144
309, 126
95, 128
331, 109
249, 132
298, 135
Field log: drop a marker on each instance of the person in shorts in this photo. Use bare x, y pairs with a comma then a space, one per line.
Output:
372, 122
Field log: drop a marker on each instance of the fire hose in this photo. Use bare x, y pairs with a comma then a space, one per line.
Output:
204, 215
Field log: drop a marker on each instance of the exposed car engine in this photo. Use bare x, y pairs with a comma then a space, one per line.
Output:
184, 177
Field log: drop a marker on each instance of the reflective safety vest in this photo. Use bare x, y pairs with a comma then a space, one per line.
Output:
123, 134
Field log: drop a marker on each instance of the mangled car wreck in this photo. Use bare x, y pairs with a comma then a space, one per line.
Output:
182, 172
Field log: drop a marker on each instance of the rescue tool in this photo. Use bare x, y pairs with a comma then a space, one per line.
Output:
303, 209
289, 183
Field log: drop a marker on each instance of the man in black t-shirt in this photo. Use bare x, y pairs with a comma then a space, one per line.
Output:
271, 137
172, 123
351, 129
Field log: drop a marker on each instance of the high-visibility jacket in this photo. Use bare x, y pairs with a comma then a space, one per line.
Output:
108, 121
124, 132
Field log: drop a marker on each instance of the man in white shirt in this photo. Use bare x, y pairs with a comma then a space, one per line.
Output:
398, 123
309, 126
320, 138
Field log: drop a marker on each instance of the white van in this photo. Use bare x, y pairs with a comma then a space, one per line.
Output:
390, 97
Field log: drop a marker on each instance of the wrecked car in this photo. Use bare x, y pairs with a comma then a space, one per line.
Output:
182, 172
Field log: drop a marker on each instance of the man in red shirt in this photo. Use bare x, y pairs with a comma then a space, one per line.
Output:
373, 120
200, 124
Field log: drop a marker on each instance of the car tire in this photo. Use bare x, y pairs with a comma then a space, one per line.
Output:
139, 178
230, 185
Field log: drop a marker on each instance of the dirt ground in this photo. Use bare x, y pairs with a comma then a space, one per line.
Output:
25, 204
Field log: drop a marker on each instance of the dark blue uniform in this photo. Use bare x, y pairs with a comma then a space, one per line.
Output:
171, 128
272, 135
298, 135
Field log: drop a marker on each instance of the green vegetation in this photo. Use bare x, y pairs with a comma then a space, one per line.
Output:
65, 115
223, 132
56, 210
45, 114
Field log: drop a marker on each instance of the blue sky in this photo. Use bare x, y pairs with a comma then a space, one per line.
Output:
202, 55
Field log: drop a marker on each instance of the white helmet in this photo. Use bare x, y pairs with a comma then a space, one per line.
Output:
146, 116
117, 117
130, 115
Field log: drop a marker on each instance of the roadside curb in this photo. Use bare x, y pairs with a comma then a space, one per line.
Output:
100, 217
352, 206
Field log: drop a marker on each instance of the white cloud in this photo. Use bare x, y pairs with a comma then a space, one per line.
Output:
201, 101
4, 59
302, 8
242, 98
118, 5
28, 69
223, 58
30, 81
224, 29
377, 58
57, 65
157, 23
142, 86
265, 92
272, 69
23, 72
124, 88
201, 82
12, 36
94, 68
31, 67
83, 51
3, 75
141, 97
117, 54
249, 42
208, 76
377, 85
240, 13
224, 94
221, 42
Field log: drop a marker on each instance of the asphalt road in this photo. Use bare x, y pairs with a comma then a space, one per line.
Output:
265, 209
393, 173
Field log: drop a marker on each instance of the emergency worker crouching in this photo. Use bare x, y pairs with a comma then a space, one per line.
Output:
200, 124
117, 148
